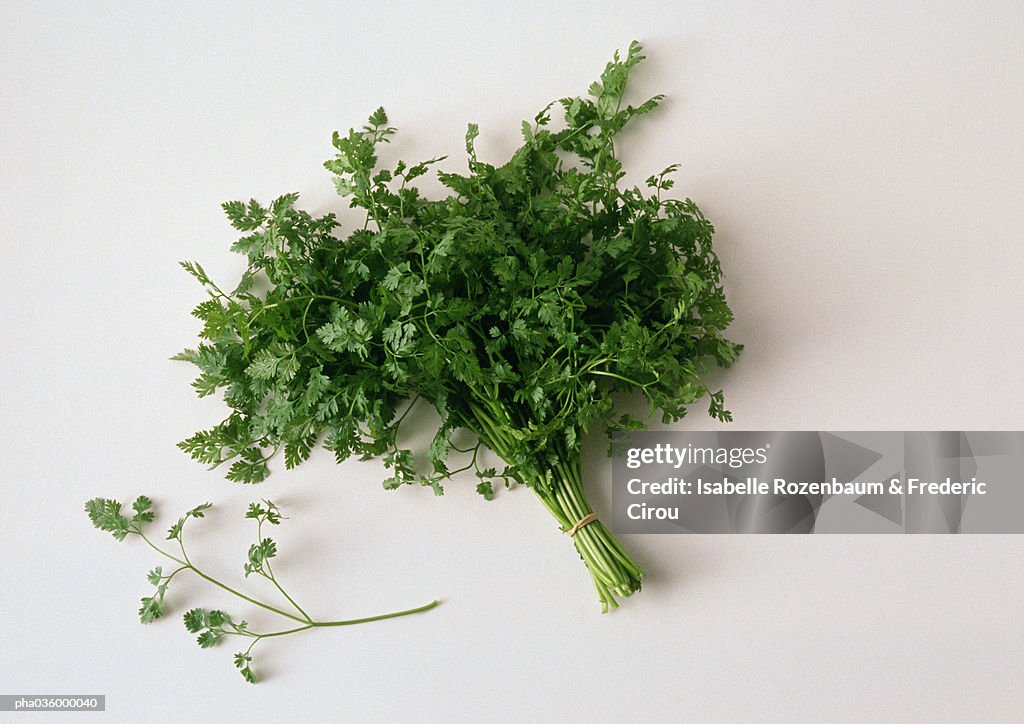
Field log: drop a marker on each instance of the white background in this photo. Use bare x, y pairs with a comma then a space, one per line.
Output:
863, 168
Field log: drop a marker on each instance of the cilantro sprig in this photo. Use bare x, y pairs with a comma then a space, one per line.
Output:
214, 625
517, 307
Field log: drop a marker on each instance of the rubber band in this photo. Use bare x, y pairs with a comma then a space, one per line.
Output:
580, 523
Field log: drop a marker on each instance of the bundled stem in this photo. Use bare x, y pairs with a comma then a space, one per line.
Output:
612, 570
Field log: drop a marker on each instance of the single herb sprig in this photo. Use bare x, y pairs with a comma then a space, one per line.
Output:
518, 307
214, 625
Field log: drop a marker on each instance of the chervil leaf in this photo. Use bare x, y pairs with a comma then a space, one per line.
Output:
199, 510
197, 271
259, 553
379, 117
175, 530
264, 366
241, 661
106, 515
207, 639
195, 620
152, 607
143, 508
155, 576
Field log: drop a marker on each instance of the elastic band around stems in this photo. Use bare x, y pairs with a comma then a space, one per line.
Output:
587, 520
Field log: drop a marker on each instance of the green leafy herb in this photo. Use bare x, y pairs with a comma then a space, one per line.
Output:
517, 307
214, 625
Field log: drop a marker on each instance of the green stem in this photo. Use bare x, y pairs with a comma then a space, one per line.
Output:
307, 623
353, 621
253, 601
215, 582
613, 571
379, 617
285, 594
273, 579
